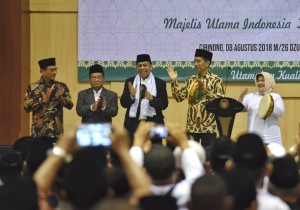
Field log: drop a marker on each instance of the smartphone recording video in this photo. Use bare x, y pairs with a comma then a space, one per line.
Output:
158, 132
94, 135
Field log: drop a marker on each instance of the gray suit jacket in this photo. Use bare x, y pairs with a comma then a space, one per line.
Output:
86, 99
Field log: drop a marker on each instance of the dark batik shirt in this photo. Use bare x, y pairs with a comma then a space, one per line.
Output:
47, 119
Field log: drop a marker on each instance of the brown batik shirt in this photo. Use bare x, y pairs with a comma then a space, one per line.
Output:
198, 119
47, 119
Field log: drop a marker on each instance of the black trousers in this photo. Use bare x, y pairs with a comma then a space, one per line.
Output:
204, 138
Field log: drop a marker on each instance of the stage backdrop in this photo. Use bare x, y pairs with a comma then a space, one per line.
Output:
246, 37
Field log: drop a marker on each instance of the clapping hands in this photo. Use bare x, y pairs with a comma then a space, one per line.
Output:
132, 89
49, 94
99, 104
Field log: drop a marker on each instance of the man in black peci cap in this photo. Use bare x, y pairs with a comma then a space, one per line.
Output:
284, 180
200, 89
251, 156
144, 96
46, 99
97, 104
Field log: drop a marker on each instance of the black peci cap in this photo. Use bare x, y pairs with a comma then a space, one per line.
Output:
47, 62
142, 58
204, 54
96, 69
285, 172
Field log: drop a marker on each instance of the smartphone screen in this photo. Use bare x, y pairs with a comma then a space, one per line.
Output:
94, 135
159, 131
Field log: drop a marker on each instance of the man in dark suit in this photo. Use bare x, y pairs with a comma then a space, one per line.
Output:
144, 96
97, 104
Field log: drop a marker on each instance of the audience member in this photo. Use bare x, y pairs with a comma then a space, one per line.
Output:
210, 192
159, 162
36, 154
22, 145
84, 180
241, 186
10, 167
85, 183
221, 152
20, 194
201, 153
284, 181
251, 156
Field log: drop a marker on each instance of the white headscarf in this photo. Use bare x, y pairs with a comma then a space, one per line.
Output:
269, 81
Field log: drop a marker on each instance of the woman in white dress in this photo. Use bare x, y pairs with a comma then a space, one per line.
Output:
268, 128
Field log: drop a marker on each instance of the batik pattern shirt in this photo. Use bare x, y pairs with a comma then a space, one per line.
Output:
47, 119
198, 119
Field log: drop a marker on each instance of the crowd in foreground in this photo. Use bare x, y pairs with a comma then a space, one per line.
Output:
135, 174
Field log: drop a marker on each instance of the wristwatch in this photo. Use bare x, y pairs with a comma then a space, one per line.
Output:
60, 153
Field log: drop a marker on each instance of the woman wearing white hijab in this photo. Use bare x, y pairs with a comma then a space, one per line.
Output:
267, 128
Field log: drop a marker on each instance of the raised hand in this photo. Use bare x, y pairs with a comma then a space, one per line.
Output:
68, 141
46, 98
101, 102
95, 105
172, 74
141, 134
120, 140
245, 92
177, 135
132, 89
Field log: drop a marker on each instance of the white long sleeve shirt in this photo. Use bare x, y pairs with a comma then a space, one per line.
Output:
269, 128
192, 168
267, 201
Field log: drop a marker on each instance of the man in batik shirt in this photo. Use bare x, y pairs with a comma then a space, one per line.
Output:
200, 123
46, 99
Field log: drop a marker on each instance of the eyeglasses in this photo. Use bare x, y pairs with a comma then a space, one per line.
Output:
52, 69
96, 77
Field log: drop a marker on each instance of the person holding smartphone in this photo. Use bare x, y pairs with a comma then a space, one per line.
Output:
97, 104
